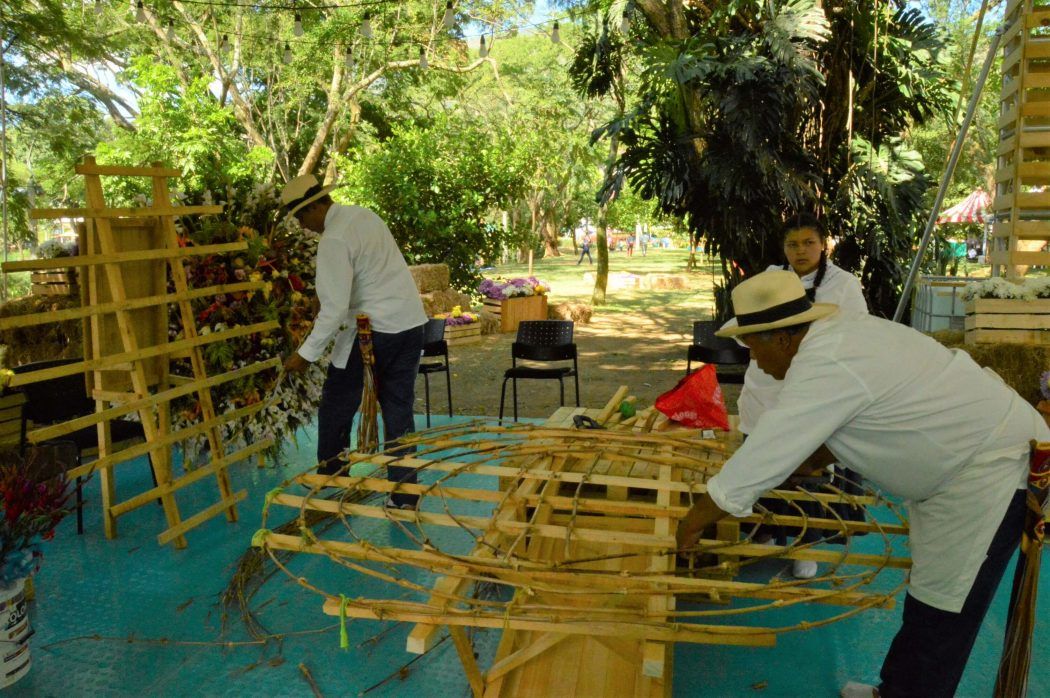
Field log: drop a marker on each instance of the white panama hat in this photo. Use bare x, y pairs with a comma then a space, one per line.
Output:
301, 191
769, 301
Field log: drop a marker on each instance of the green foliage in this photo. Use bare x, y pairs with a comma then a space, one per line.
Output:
435, 187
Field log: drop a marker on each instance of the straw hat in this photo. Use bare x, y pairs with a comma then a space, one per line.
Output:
301, 191
769, 301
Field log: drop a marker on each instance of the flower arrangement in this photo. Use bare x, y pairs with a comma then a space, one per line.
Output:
498, 289
457, 317
32, 507
283, 255
55, 248
998, 287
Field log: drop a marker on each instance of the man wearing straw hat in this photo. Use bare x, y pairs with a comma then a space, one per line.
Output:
360, 270
922, 422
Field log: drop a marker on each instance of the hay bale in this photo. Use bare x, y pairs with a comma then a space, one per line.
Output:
665, 282
430, 277
1019, 365
577, 312
443, 301
490, 323
54, 340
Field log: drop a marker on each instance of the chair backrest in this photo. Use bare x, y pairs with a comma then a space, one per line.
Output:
12, 403
434, 343
544, 340
55, 399
728, 350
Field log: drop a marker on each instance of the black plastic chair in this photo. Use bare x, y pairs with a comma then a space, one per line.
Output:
720, 351
541, 340
434, 345
65, 398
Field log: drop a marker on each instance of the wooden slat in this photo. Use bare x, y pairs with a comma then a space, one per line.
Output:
993, 321
118, 257
1003, 202
1007, 145
1038, 18
530, 651
1021, 258
680, 632
105, 213
1034, 109
1009, 89
1008, 116
1035, 139
1033, 200
86, 168
1008, 337
200, 517
114, 360
55, 430
1008, 305
11, 322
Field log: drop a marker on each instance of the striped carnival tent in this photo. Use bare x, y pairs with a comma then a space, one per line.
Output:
969, 210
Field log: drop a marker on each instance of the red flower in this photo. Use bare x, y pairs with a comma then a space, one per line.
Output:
295, 282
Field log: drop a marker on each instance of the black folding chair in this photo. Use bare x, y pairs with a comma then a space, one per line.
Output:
720, 351
541, 341
434, 345
56, 400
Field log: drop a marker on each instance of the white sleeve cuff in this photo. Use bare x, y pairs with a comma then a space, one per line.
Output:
721, 499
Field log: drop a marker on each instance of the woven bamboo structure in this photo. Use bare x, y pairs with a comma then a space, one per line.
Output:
577, 536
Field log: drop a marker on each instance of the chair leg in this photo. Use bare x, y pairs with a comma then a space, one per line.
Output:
426, 392
502, 394
448, 385
80, 506
688, 366
514, 383
561, 391
576, 380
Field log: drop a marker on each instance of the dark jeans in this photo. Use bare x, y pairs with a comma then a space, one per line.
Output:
397, 362
586, 251
930, 651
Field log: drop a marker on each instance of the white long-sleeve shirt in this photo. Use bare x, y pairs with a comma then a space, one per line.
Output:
761, 389
920, 421
360, 270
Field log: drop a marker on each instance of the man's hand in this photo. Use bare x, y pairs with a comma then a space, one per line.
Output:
295, 363
703, 514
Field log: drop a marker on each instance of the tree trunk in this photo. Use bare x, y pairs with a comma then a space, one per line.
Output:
601, 277
550, 237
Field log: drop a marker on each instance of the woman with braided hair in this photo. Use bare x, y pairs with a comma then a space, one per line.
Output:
806, 252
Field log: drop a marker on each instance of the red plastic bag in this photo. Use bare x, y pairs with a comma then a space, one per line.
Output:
696, 401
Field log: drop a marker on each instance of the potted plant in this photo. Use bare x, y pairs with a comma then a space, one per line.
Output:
514, 300
461, 327
34, 498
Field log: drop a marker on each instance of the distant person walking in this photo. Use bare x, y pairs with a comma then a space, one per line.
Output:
630, 245
643, 243
585, 249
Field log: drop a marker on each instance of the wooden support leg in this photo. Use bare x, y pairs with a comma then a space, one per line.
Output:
466, 655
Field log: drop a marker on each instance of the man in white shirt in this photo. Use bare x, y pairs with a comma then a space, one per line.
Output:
360, 270
920, 421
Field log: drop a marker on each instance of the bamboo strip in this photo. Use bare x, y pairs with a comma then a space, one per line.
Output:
155, 211
108, 362
466, 658
200, 517
52, 431
14, 321
119, 257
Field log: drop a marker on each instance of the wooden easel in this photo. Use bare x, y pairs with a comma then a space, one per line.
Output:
128, 358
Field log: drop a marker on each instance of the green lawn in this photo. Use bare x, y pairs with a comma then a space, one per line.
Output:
567, 281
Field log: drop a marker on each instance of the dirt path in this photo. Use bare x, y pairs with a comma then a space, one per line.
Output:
645, 351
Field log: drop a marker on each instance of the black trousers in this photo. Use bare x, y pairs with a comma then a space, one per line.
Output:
930, 651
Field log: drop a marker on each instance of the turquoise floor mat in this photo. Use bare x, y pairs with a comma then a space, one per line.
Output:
128, 617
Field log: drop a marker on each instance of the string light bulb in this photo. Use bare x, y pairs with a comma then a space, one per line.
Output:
140, 12
171, 29
483, 50
423, 65
297, 28
366, 26
450, 18
349, 60
287, 52
555, 36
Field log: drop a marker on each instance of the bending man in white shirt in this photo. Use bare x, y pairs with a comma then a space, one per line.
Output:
922, 422
360, 270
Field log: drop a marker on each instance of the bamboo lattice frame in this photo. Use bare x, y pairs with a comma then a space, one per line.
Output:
105, 266
581, 539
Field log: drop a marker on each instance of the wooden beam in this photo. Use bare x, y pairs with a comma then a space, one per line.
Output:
466, 657
142, 212
86, 168
120, 257
200, 517
530, 651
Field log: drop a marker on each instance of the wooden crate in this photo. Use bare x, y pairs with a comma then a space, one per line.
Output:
1008, 321
463, 334
58, 282
512, 311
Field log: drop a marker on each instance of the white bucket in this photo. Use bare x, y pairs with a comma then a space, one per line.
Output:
14, 633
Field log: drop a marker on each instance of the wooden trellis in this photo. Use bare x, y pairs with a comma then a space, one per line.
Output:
581, 536
1022, 203
127, 257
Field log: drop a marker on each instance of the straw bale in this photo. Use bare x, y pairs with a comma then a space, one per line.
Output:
490, 323
430, 277
665, 282
1019, 365
55, 340
443, 301
577, 312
